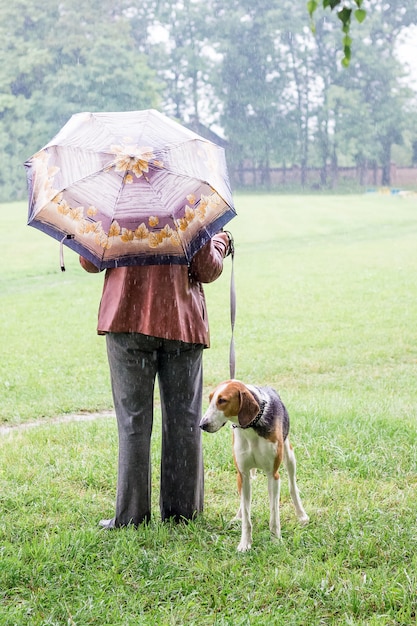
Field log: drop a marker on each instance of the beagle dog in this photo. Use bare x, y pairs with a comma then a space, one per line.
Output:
260, 440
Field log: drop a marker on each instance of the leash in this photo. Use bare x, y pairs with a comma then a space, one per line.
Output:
232, 353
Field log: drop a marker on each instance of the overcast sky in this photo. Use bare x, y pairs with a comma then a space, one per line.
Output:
408, 52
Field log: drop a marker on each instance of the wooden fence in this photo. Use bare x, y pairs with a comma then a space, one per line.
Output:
315, 178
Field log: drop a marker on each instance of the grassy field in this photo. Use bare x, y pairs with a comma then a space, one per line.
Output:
327, 310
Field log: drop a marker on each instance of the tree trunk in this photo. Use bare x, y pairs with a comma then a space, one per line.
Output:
386, 162
334, 169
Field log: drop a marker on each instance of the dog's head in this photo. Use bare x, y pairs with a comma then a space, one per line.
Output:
232, 401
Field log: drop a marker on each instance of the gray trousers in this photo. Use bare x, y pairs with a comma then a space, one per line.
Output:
135, 362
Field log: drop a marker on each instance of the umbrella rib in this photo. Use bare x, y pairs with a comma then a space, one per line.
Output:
114, 211
171, 215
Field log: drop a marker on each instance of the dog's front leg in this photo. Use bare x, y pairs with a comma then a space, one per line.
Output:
238, 515
274, 487
245, 505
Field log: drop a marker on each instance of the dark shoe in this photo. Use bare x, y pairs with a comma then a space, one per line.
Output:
107, 524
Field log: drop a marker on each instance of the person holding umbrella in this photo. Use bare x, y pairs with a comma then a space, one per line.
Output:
138, 194
155, 321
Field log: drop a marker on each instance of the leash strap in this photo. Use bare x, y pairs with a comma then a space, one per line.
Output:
61, 251
232, 354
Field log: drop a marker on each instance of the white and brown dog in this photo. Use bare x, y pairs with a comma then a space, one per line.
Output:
260, 440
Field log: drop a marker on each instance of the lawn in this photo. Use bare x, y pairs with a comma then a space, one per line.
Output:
327, 308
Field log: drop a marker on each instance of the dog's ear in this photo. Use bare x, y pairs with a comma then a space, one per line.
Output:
249, 408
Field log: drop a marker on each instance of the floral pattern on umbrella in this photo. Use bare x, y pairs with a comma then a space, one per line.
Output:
129, 188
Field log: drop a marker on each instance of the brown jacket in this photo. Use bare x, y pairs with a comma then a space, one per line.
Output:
161, 300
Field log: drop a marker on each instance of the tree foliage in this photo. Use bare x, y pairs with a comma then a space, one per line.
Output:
252, 70
59, 59
345, 10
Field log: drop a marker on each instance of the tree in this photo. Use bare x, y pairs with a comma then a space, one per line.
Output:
345, 9
250, 85
183, 58
278, 93
302, 91
375, 77
59, 59
360, 110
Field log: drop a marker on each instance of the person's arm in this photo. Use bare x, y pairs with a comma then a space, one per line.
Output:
88, 266
207, 264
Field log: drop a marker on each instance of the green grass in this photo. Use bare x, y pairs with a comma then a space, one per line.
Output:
327, 309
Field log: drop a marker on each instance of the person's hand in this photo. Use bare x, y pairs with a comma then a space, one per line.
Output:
231, 243
88, 266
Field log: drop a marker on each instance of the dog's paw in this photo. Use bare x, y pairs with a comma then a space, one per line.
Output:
245, 543
304, 519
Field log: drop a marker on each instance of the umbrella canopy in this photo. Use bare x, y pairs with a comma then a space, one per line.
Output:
129, 188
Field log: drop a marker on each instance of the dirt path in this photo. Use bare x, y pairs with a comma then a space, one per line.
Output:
63, 419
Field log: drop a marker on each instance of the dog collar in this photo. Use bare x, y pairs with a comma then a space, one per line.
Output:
257, 417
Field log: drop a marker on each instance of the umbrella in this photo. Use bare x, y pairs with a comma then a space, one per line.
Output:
129, 188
